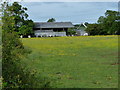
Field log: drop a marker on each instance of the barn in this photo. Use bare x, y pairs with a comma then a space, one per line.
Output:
51, 29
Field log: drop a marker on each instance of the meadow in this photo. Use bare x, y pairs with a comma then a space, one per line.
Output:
75, 62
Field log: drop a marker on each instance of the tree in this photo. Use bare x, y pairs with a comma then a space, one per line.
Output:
26, 28
51, 20
16, 13
12, 49
14, 72
86, 23
71, 31
107, 25
101, 19
95, 29
109, 22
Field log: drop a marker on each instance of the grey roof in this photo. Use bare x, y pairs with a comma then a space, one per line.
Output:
53, 25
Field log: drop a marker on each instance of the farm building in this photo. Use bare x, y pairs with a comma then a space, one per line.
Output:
49, 29
81, 33
81, 30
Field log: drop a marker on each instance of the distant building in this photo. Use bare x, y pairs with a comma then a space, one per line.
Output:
80, 31
49, 29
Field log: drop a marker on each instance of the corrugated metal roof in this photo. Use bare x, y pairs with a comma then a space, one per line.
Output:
53, 25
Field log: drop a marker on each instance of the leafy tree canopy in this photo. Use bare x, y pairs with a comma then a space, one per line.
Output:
108, 24
51, 20
17, 15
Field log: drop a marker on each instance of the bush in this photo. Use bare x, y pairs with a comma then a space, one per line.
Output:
15, 74
71, 32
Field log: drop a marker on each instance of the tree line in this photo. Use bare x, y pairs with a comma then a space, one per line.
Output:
106, 25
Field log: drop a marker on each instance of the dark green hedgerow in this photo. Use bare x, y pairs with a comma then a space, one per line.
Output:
14, 72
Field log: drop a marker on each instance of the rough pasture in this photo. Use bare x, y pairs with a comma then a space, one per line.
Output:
75, 62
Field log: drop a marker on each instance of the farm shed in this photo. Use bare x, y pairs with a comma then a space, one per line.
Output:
81, 30
81, 33
49, 29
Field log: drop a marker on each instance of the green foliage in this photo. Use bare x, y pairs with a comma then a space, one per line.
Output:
26, 29
95, 29
107, 24
11, 50
14, 72
0, 57
101, 19
77, 26
86, 23
16, 14
51, 20
71, 32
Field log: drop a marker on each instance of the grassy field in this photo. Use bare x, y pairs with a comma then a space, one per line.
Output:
75, 62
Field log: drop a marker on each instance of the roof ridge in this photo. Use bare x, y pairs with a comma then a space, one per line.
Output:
52, 22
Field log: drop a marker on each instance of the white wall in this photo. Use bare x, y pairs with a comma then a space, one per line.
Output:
48, 33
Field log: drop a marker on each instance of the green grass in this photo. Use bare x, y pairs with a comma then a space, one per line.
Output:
75, 62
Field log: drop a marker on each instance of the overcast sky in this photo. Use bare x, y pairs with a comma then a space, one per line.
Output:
64, 0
